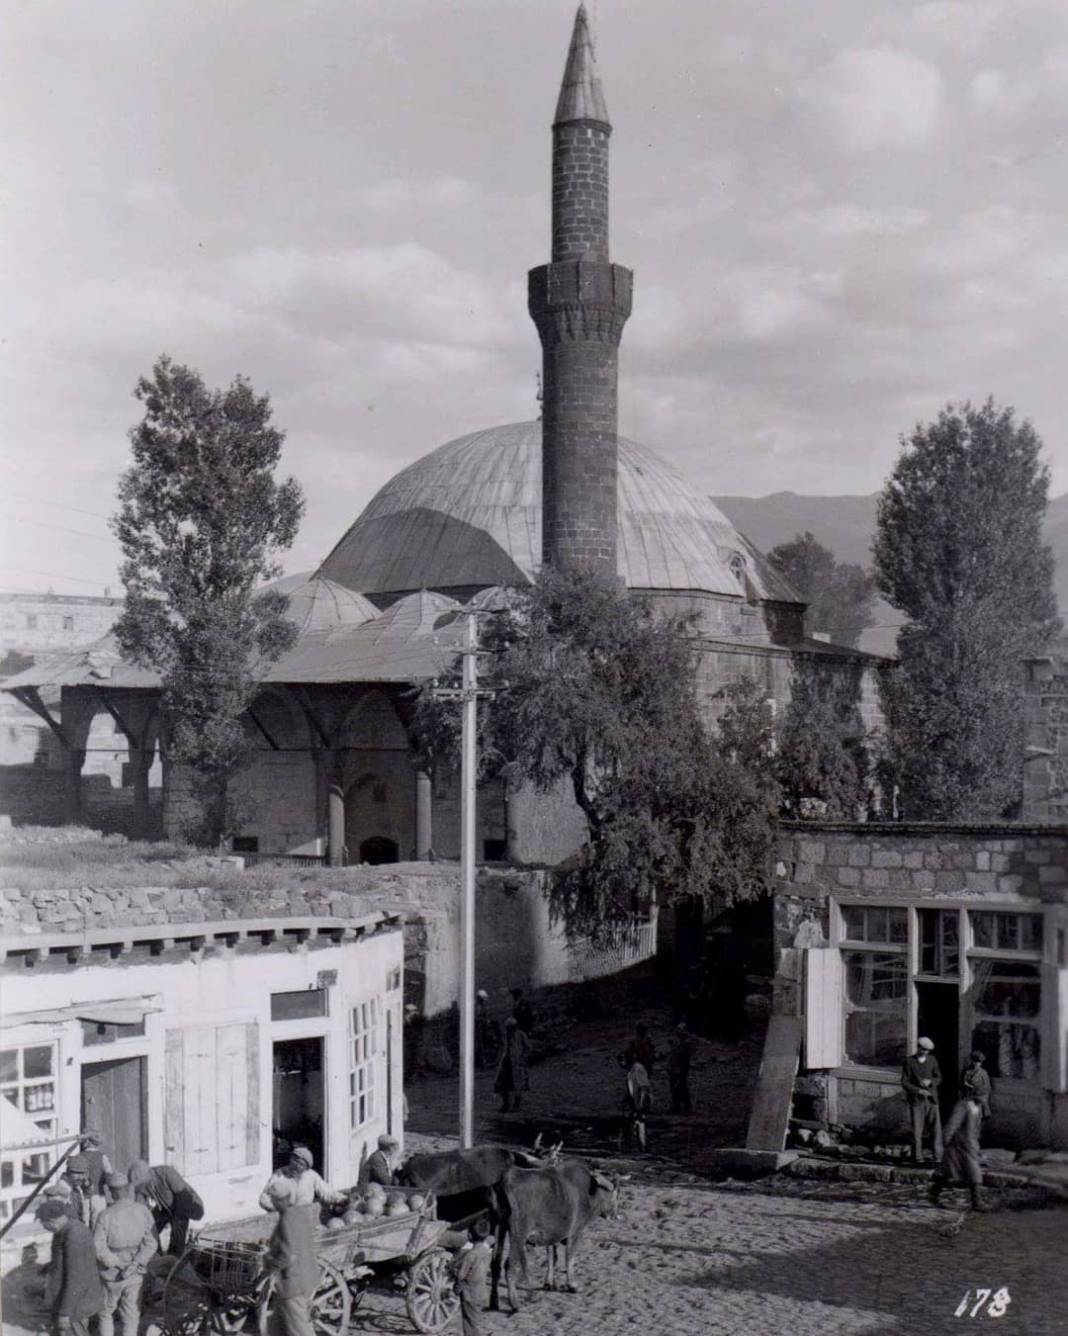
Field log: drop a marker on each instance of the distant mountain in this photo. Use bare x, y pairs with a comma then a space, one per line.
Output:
846, 524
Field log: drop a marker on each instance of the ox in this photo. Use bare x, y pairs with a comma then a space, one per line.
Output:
547, 1206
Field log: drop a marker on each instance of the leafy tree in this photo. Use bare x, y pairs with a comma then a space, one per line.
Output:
959, 550
595, 690
821, 759
200, 517
840, 596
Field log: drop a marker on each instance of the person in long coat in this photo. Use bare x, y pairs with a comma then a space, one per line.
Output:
920, 1079
75, 1292
170, 1199
512, 1069
292, 1259
960, 1160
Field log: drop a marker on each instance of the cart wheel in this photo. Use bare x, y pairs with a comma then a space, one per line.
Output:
331, 1305
432, 1299
190, 1309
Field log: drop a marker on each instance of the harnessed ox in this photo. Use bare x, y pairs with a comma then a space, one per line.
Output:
547, 1206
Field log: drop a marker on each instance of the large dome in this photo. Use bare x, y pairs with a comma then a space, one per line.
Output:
469, 514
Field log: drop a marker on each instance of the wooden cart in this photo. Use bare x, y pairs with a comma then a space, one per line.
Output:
220, 1283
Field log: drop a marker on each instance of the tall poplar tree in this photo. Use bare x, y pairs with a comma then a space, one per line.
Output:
958, 549
200, 519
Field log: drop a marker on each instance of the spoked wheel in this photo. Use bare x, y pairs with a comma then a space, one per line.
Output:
331, 1305
190, 1308
431, 1297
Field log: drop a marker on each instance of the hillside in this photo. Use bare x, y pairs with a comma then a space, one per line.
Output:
846, 525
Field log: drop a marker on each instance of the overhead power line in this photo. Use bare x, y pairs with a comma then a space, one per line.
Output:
59, 505
60, 528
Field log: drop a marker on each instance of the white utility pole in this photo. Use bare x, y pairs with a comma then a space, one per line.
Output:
468, 775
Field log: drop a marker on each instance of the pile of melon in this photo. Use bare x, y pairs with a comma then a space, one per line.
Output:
374, 1202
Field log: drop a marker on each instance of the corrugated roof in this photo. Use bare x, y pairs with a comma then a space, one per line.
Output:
469, 513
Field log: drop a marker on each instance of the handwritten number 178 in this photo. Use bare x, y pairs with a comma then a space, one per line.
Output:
995, 1302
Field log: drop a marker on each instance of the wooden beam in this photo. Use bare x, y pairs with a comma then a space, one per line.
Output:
31, 698
124, 728
311, 714
255, 719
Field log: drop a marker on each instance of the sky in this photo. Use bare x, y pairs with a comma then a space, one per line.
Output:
840, 214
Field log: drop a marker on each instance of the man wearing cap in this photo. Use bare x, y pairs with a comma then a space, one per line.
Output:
920, 1079
170, 1199
98, 1166
380, 1164
74, 1292
975, 1081
86, 1204
125, 1239
308, 1186
961, 1163
291, 1259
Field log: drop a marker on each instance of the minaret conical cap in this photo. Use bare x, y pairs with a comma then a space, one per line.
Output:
581, 98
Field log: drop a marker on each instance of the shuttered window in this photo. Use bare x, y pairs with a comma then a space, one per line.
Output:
823, 1007
212, 1097
364, 1043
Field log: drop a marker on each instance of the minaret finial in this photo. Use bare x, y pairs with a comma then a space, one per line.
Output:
581, 97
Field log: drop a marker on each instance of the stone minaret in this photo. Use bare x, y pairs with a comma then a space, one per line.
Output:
579, 303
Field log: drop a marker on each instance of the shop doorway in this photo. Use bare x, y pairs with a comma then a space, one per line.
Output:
299, 1099
938, 1017
113, 1104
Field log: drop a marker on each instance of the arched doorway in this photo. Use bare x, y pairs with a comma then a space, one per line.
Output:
379, 849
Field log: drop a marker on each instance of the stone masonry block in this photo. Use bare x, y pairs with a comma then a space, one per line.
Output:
982, 861
1053, 875
923, 880
812, 851
849, 876
1010, 884
913, 859
859, 856
949, 882
875, 879
887, 858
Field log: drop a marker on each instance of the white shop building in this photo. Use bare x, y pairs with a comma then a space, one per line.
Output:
209, 1046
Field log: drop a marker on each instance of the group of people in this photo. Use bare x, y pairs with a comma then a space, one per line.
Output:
955, 1147
638, 1060
105, 1229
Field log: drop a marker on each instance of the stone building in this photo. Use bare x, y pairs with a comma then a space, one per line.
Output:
333, 769
884, 933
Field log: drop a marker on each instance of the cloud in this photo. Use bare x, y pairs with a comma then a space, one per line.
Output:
879, 97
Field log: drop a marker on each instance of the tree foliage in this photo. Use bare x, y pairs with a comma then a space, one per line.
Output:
200, 518
597, 691
959, 550
821, 758
840, 596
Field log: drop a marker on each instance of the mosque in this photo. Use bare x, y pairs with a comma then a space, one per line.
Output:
333, 772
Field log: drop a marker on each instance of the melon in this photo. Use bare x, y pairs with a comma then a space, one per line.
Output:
376, 1190
335, 1223
352, 1216
375, 1206
397, 1207
416, 1201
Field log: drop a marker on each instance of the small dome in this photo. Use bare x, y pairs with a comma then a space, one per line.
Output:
469, 514
318, 604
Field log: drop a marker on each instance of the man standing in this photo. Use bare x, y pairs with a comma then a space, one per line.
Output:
98, 1166
380, 1164
75, 1294
920, 1079
975, 1081
170, 1199
679, 1057
511, 1078
640, 1049
86, 1204
292, 1260
960, 1163
472, 1268
523, 1012
308, 1186
125, 1239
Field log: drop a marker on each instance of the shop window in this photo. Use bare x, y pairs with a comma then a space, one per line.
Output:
27, 1083
68, 623
363, 1038
940, 942
299, 1005
871, 923
245, 844
1007, 1005
876, 1001
993, 931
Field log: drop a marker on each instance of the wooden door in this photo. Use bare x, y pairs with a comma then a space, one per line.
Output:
113, 1104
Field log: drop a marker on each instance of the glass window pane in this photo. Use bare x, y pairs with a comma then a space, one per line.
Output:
299, 1005
1031, 932
1012, 1050
899, 925
983, 928
38, 1097
7, 1173
950, 927
853, 922
878, 925
37, 1061
1008, 932
9, 1064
